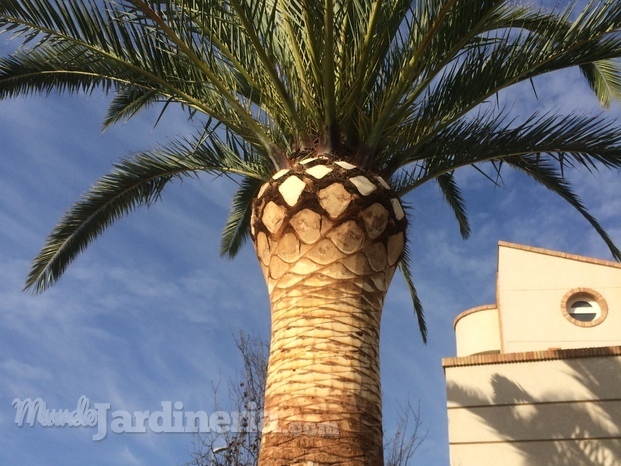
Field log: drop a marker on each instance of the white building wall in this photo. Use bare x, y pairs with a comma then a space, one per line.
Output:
530, 290
552, 396
563, 411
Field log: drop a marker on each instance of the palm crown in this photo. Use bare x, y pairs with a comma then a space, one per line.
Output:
396, 87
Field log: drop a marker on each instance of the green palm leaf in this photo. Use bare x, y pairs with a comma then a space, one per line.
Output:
480, 69
547, 175
134, 182
129, 42
128, 102
583, 140
604, 77
453, 197
404, 266
539, 143
237, 228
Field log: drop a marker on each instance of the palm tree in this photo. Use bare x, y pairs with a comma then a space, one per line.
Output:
327, 114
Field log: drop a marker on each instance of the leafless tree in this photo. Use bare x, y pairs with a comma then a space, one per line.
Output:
400, 448
239, 444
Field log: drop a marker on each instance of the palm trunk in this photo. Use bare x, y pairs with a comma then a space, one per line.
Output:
328, 237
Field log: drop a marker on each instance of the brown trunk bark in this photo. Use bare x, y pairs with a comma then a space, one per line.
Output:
328, 237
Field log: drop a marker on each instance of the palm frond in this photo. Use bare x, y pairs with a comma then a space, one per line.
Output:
259, 22
437, 36
572, 141
368, 37
134, 182
404, 266
117, 55
546, 174
237, 228
453, 197
546, 141
230, 42
604, 77
128, 43
482, 68
128, 102
45, 71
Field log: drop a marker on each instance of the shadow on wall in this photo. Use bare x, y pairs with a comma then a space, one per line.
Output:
545, 427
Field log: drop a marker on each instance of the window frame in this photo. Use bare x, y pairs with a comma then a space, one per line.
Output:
587, 295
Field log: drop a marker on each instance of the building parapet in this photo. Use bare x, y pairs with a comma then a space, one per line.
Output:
530, 356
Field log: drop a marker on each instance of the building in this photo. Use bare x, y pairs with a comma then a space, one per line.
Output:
537, 377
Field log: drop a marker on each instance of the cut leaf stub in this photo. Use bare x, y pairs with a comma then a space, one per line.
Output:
318, 196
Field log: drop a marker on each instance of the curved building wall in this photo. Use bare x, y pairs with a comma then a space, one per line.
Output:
477, 331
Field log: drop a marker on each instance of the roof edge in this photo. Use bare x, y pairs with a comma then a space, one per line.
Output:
530, 356
484, 307
564, 255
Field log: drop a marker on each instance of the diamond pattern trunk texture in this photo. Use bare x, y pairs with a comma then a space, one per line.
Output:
329, 237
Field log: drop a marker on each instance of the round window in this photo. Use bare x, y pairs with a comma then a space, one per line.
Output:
585, 308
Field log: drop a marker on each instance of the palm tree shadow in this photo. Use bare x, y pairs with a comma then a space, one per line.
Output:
585, 432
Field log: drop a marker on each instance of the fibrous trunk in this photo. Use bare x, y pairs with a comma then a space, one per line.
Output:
328, 236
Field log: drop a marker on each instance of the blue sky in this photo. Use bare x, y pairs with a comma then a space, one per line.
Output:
148, 313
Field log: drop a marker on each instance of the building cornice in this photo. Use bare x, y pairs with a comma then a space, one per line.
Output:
564, 255
530, 356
